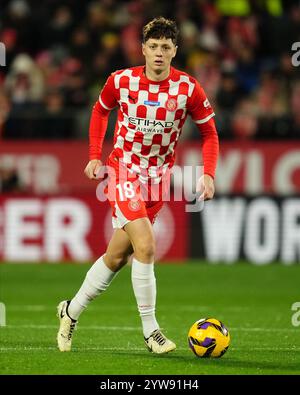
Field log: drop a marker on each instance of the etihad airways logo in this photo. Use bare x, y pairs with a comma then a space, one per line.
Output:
150, 126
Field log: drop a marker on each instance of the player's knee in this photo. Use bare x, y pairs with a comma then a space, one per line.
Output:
116, 261
145, 250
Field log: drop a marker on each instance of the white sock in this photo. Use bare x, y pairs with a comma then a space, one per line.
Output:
144, 287
96, 281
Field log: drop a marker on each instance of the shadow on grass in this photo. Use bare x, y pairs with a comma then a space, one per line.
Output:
241, 364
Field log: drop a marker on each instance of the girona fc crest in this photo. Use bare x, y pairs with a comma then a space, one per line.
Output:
171, 105
134, 205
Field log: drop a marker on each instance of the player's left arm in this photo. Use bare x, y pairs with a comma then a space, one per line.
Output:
202, 114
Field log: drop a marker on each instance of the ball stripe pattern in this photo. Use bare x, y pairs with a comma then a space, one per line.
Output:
208, 337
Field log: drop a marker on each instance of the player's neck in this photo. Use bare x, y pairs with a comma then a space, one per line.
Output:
155, 76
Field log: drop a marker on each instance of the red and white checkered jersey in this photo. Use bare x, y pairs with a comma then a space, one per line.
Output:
151, 116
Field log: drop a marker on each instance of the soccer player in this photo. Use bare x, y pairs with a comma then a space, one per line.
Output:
153, 102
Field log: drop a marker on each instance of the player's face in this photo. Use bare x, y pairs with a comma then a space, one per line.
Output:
159, 53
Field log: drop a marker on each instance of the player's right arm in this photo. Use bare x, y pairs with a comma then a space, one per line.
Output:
98, 125
92, 168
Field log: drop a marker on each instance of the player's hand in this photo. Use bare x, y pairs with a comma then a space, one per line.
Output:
206, 187
93, 168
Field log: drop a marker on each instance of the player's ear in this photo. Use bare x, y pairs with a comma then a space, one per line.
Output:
175, 51
143, 49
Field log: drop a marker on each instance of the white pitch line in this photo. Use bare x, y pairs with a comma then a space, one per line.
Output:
130, 348
27, 307
37, 308
263, 329
133, 328
83, 327
74, 348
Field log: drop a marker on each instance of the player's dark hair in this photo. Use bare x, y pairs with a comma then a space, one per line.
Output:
160, 28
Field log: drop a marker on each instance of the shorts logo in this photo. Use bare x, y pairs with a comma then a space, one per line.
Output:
134, 205
171, 105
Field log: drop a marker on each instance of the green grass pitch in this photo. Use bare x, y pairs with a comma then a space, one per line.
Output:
253, 302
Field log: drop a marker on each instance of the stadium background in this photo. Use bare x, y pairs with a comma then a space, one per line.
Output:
58, 55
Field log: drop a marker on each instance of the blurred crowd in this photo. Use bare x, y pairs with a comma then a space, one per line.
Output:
59, 54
